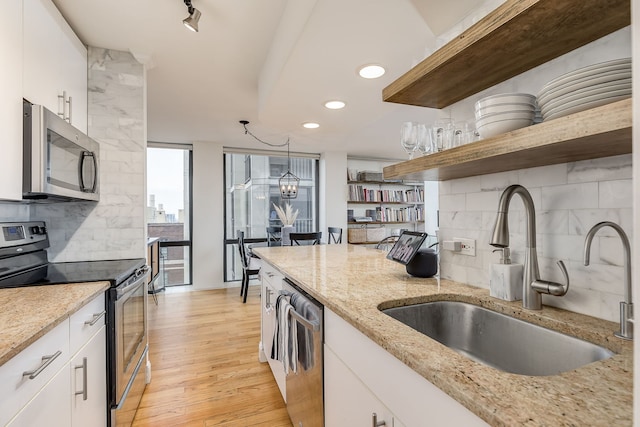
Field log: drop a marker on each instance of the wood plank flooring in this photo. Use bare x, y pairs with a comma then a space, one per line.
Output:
203, 347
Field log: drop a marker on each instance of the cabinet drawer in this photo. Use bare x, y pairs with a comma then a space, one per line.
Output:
15, 389
86, 322
271, 276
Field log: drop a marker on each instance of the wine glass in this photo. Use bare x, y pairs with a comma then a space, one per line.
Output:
423, 140
408, 138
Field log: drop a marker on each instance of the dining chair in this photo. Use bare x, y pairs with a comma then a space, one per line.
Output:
335, 235
250, 267
274, 236
309, 238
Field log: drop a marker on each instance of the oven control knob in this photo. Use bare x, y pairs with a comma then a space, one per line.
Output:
37, 230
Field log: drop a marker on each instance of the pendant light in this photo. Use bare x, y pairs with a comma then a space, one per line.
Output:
288, 182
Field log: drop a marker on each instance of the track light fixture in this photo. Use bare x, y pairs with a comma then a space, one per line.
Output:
191, 21
288, 182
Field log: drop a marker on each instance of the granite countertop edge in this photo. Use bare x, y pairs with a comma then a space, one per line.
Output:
28, 313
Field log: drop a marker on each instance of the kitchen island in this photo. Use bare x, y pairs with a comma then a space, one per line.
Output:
355, 283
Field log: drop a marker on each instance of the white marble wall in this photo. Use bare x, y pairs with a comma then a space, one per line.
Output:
14, 212
113, 228
569, 200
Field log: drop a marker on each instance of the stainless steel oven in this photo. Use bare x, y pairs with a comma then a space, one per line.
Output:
128, 303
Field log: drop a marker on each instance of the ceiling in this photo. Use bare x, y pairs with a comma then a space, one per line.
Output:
274, 63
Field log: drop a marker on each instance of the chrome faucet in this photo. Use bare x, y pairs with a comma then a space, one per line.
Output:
626, 306
532, 285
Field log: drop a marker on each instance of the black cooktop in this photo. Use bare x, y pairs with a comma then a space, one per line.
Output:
114, 271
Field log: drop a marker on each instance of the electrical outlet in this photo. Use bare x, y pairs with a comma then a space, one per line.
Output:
467, 246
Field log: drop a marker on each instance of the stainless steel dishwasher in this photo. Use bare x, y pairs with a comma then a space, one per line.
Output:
304, 380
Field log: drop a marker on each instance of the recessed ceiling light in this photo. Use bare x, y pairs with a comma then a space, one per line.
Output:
334, 105
311, 125
371, 71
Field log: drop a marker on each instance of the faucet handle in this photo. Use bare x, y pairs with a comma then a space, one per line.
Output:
553, 288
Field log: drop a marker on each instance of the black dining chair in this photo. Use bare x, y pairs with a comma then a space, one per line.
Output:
308, 238
249, 267
274, 236
335, 235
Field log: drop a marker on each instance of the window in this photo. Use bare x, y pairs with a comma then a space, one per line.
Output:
169, 210
251, 190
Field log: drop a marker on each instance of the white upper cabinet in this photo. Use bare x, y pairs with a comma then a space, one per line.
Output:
54, 63
11, 100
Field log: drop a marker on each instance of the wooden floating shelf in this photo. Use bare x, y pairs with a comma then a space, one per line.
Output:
516, 37
355, 202
599, 132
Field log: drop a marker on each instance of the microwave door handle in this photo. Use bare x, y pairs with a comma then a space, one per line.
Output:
83, 188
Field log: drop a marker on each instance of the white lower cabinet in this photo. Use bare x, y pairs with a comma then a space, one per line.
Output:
89, 386
50, 407
379, 378
56, 383
347, 401
271, 287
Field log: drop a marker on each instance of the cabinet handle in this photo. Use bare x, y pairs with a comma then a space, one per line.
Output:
96, 317
70, 107
62, 102
46, 361
267, 302
83, 392
375, 422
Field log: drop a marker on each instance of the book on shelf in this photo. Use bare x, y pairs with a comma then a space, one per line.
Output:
362, 219
360, 193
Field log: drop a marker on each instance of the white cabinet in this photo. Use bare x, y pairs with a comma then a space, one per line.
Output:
347, 401
88, 383
45, 383
54, 63
271, 287
11, 100
410, 398
50, 407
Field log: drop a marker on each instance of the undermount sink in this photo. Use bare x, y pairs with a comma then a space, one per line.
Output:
498, 340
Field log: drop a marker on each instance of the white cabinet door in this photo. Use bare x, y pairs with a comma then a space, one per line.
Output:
271, 286
54, 62
89, 383
41, 45
74, 76
347, 401
50, 407
11, 100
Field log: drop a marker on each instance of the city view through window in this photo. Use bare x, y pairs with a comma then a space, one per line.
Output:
168, 183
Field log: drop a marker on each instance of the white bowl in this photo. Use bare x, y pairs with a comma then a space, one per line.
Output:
499, 117
506, 98
502, 126
503, 109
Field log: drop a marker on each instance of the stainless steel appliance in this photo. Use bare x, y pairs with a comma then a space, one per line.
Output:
23, 262
304, 381
60, 163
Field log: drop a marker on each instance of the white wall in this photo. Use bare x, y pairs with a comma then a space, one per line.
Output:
569, 200
333, 193
208, 215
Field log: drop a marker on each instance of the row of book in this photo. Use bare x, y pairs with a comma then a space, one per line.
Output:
409, 214
357, 193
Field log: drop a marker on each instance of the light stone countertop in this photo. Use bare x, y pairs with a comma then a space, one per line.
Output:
354, 281
28, 313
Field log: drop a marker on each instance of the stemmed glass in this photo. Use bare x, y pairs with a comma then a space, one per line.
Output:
423, 140
408, 137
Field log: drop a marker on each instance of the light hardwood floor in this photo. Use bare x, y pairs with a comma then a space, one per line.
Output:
203, 347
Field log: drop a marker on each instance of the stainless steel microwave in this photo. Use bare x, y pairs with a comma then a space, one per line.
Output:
60, 163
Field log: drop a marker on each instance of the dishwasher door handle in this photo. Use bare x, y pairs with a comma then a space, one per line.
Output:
313, 326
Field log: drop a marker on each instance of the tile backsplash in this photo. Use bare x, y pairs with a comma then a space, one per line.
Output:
569, 199
114, 228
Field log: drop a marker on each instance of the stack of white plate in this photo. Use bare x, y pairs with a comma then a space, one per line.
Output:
505, 112
585, 88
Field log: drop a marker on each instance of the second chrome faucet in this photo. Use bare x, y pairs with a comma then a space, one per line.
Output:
532, 285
